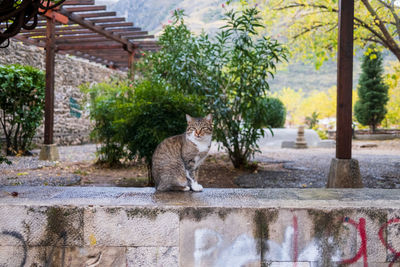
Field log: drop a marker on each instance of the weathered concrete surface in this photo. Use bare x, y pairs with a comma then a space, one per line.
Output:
91, 226
49, 152
344, 173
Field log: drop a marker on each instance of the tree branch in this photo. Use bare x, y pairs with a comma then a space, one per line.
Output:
394, 14
389, 39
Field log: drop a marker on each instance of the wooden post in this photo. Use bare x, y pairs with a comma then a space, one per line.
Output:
344, 171
49, 97
344, 80
131, 63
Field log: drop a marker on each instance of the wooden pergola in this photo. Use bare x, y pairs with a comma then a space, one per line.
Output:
83, 29
86, 30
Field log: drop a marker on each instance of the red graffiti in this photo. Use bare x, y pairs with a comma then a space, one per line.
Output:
295, 240
362, 252
361, 230
386, 243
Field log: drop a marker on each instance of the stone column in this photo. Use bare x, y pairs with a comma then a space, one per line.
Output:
300, 140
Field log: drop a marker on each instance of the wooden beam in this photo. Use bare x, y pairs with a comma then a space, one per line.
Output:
107, 20
49, 95
124, 32
139, 37
78, 36
90, 25
344, 80
97, 14
111, 25
86, 40
90, 47
57, 16
57, 29
74, 32
85, 8
130, 29
78, 2
34, 42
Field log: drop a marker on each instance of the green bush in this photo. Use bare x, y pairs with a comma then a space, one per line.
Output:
156, 114
130, 120
22, 92
276, 113
108, 104
312, 121
230, 71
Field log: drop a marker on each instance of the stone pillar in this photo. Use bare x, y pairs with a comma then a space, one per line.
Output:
300, 140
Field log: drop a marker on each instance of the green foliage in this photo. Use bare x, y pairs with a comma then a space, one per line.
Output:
312, 121
230, 71
4, 160
311, 27
132, 119
276, 116
372, 91
322, 134
156, 114
109, 103
21, 104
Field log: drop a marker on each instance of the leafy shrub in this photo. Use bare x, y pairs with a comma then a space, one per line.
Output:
230, 71
22, 92
322, 134
156, 114
130, 120
276, 113
312, 121
109, 103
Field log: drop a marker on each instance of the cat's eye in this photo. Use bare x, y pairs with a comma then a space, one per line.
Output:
190, 129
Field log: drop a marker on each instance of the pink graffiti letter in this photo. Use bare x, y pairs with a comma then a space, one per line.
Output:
385, 242
362, 252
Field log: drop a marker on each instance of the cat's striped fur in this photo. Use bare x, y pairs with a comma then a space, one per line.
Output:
177, 159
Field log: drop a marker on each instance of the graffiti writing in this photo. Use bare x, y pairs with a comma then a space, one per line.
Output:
210, 244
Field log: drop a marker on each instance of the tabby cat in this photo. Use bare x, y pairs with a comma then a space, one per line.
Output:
176, 160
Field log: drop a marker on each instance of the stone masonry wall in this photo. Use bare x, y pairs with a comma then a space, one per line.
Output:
118, 227
71, 125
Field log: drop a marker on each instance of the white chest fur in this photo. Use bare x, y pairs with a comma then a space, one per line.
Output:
203, 145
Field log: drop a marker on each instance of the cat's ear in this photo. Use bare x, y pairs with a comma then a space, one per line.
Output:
188, 118
209, 117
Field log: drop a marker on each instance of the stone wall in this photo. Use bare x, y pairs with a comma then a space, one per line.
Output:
71, 125
89, 226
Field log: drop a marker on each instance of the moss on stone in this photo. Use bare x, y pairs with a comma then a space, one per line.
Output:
199, 213
113, 210
262, 220
150, 213
328, 223
377, 215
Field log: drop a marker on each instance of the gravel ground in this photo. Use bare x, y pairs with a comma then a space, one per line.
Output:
379, 166
68, 154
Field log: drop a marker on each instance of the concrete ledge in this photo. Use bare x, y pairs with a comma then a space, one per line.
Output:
93, 226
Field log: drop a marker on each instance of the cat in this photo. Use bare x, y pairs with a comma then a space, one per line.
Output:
177, 159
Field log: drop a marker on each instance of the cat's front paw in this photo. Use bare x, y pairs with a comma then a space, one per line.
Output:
197, 187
